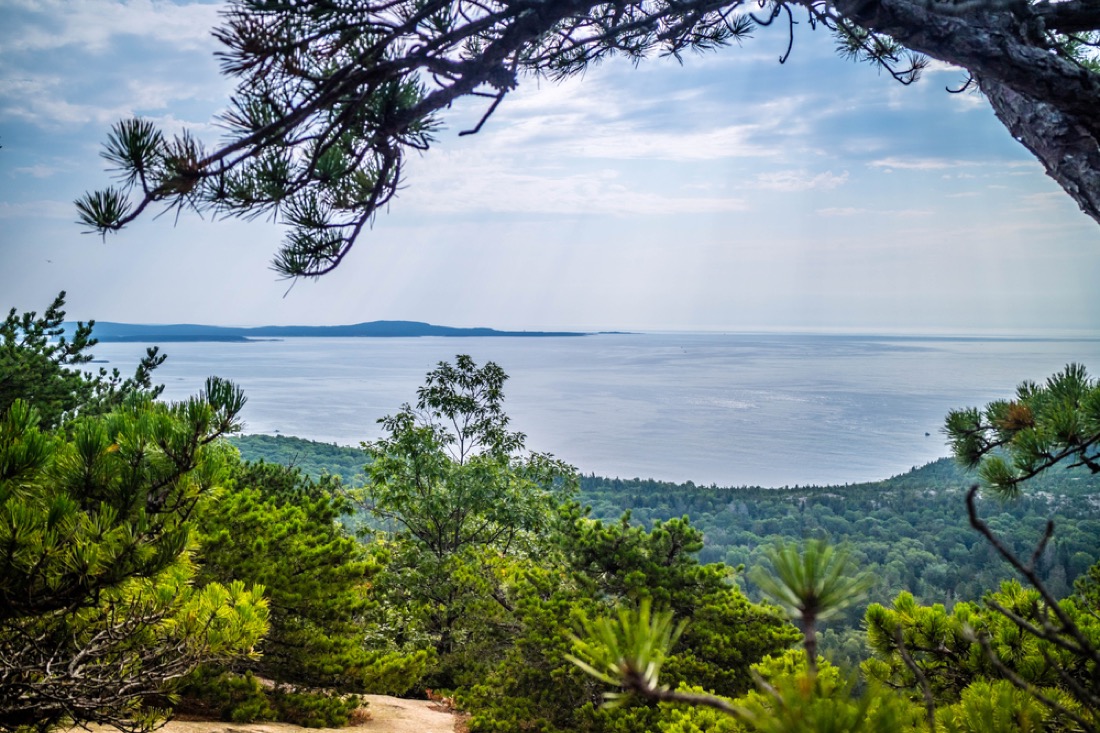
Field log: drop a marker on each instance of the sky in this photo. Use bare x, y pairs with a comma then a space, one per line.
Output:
728, 192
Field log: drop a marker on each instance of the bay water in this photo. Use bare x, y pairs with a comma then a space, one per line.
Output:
727, 409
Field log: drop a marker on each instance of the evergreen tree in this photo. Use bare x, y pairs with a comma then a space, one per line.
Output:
274, 527
1007, 649
331, 97
40, 363
811, 585
1011, 441
608, 566
99, 616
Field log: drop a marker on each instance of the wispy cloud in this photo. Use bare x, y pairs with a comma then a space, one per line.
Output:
38, 103
612, 117
840, 211
800, 180
92, 24
918, 164
37, 171
37, 210
465, 183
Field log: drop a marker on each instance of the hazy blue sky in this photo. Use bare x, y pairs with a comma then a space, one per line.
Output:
729, 193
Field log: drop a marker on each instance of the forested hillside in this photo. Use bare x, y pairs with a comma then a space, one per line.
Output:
147, 562
910, 530
312, 458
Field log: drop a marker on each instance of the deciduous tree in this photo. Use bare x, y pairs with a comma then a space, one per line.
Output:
461, 493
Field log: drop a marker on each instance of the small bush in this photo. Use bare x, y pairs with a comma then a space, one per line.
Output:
244, 699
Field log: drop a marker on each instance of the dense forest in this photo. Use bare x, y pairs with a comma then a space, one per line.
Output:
911, 531
152, 564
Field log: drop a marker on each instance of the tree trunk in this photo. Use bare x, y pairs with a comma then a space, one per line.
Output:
1069, 153
1049, 103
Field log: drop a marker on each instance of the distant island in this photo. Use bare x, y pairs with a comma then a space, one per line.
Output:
107, 331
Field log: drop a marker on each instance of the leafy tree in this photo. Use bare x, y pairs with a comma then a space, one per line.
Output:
452, 476
619, 563
630, 651
619, 568
332, 96
40, 364
99, 616
274, 527
460, 492
312, 458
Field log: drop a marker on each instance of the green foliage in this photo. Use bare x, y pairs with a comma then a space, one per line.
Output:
451, 474
312, 458
791, 695
1011, 441
239, 698
617, 562
40, 365
622, 560
800, 700
462, 496
909, 533
965, 658
242, 698
107, 504
612, 566
99, 615
812, 584
994, 707
273, 526
628, 650
533, 687
316, 709
940, 644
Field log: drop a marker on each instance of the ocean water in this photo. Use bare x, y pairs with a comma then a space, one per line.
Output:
728, 409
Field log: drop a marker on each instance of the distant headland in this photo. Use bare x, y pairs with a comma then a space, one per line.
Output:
107, 331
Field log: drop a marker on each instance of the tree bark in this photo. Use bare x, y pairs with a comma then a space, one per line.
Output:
1069, 153
1049, 103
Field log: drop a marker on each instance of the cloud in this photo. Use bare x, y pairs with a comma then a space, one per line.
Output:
464, 183
617, 116
578, 195
37, 171
92, 24
49, 110
918, 164
59, 68
842, 211
37, 210
857, 211
800, 180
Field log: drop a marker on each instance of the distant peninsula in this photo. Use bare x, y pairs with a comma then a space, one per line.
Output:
107, 331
